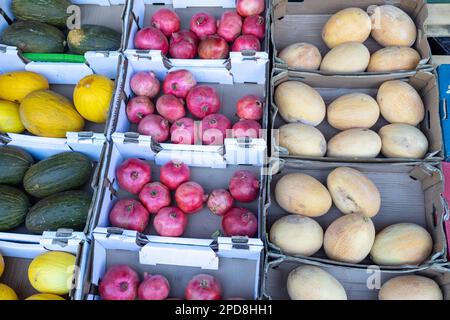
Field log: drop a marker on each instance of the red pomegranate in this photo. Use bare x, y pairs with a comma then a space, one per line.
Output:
174, 173
246, 128
244, 186
220, 201
145, 84
167, 21
138, 107
246, 42
229, 26
214, 129
202, 100
250, 107
203, 25
170, 222
150, 38
129, 214
239, 222
154, 287
182, 131
190, 197
170, 107
213, 47
255, 26
250, 7
190, 36
120, 282
155, 126
155, 196
133, 174
203, 287
179, 83
182, 47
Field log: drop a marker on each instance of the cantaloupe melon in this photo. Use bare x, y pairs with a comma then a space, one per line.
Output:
346, 58
301, 55
394, 59
354, 143
410, 287
403, 141
302, 140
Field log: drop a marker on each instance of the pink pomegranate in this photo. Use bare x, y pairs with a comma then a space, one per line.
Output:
214, 128
155, 196
203, 25
170, 107
244, 186
182, 47
239, 222
120, 282
202, 100
182, 131
246, 128
155, 126
190, 197
255, 26
250, 107
133, 174
170, 222
167, 21
250, 7
145, 84
179, 83
174, 173
229, 26
220, 201
203, 287
154, 287
129, 214
213, 47
150, 38
138, 107
246, 42
190, 36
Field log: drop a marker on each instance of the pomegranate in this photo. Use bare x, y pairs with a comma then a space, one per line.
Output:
155, 196
170, 222
133, 174
246, 42
229, 26
213, 47
120, 282
244, 186
167, 21
154, 287
183, 47
202, 100
255, 26
190, 36
246, 128
145, 84
239, 222
170, 107
174, 173
203, 25
150, 38
182, 131
214, 128
129, 214
138, 107
190, 197
250, 7
220, 201
250, 107
155, 126
179, 83
203, 287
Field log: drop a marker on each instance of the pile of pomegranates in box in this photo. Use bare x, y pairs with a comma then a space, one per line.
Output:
175, 197
168, 117
242, 29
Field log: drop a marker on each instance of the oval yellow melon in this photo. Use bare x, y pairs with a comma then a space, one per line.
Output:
347, 25
48, 114
9, 117
92, 97
2, 265
302, 140
402, 244
354, 110
354, 143
298, 102
313, 283
301, 55
403, 141
400, 103
14, 86
44, 296
345, 58
297, 235
6, 293
302, 194
391, 26
353, 192
410, 287
394, 59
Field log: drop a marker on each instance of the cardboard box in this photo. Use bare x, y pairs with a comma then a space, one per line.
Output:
409, 193
303, 22
330, 88
248, 66
444, 106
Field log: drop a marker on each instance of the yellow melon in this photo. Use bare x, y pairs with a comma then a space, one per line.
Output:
301, 56
354, 143
16, 85
346, 58
394, 59
302, 140
403, 141
410, 287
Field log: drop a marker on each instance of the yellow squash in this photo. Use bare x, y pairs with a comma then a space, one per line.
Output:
52, 272
44, 296
16, 85
9, 117
2, 265
48, 114
6, 293
92, 97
